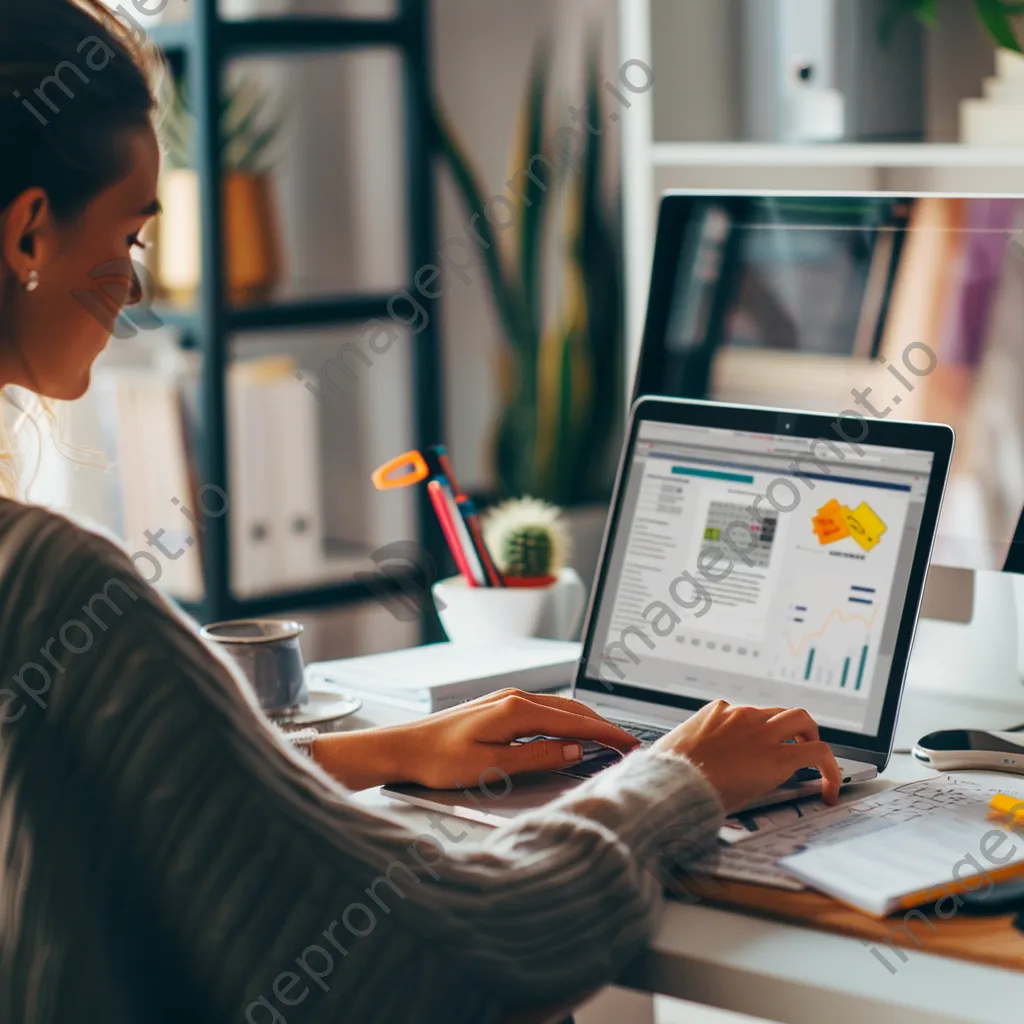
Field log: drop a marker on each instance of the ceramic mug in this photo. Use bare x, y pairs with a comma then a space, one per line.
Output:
481, 614
268, 653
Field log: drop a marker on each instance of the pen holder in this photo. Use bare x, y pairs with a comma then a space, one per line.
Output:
480, 614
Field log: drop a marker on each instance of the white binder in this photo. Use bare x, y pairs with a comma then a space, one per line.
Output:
296, 495
251, 483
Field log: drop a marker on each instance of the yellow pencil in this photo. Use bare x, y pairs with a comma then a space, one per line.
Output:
1009, 807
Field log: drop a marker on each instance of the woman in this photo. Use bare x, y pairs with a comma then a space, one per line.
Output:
164, 856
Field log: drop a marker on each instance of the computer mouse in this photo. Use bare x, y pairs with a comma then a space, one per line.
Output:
951, 750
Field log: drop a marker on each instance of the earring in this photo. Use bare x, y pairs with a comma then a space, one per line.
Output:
33, 281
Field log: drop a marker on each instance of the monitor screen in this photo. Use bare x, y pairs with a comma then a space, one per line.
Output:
901, 307
801, 610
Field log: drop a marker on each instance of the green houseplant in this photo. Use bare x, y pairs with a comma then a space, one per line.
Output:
561, 369
994, 15
542, 596
528, 539
248, 132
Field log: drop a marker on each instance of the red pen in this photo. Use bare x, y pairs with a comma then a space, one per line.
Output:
438, 499
468, 512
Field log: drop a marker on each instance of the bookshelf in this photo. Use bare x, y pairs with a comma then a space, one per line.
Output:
839, 154
202, 46
701, 36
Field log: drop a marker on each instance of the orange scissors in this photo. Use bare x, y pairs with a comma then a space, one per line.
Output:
401, 471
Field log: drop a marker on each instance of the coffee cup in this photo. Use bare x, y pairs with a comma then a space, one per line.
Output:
268, 653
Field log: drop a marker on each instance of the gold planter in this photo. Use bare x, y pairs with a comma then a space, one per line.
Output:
252, 263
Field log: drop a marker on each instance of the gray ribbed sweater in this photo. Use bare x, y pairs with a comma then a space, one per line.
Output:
165, 857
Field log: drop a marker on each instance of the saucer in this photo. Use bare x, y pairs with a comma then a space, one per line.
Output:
319, 710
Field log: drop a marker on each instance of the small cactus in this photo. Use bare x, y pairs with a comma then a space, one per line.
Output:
527, 538
526, 551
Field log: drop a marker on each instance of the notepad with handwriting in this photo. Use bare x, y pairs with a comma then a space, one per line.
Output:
912, 846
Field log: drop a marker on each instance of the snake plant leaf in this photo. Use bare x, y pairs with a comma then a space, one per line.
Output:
553, 373
554, 369
580, 388
565, 399
562, 378
578, 406
529, 181
531, 177
549, 371
562, 464
995, 16
514, 443
561, 382
898, 11
597, 254
516, 431
467, 181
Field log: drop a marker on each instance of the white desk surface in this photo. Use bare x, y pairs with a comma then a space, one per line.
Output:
784, 972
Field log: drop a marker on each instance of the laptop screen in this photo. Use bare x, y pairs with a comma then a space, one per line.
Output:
763, 569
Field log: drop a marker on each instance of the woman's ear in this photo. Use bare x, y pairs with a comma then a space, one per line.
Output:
26, 234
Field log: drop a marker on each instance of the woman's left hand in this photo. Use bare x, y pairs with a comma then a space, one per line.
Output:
454, 749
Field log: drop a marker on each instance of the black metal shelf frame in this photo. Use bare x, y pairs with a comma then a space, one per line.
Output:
204, 45
315, 598
283, 35
313, 312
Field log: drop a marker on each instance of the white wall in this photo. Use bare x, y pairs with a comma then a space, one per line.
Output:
695, 53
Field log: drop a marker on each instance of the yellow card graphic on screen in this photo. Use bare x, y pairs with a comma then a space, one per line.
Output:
835, 522
865, 526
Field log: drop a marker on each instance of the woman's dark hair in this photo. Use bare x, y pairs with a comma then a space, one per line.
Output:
72, 79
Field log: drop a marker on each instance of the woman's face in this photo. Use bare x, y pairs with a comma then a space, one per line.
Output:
50, 336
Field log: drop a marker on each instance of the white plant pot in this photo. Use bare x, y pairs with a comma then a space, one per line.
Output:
482, 614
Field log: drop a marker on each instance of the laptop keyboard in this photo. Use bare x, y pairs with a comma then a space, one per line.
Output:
644, 733
647, 734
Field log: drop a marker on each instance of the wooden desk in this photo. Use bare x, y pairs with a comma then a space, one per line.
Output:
793, 973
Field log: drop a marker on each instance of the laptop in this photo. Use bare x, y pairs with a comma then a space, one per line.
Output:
764, 556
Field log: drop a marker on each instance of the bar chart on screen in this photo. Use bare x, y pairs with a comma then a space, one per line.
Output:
830, 647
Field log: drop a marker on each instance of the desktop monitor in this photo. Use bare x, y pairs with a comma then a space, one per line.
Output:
892, 306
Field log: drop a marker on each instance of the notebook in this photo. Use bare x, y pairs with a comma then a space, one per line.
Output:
900, 848
442, 675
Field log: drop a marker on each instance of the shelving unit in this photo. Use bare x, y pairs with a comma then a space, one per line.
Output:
650, 165
853, 154
203, 46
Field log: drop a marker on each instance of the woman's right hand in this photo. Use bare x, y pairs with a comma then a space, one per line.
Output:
743, 752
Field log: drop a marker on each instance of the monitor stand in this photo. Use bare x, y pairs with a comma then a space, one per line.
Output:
965, 675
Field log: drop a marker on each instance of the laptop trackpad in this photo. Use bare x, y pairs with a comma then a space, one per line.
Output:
528, 792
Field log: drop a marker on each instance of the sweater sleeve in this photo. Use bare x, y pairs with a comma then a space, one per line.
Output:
579, 878
266, 886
